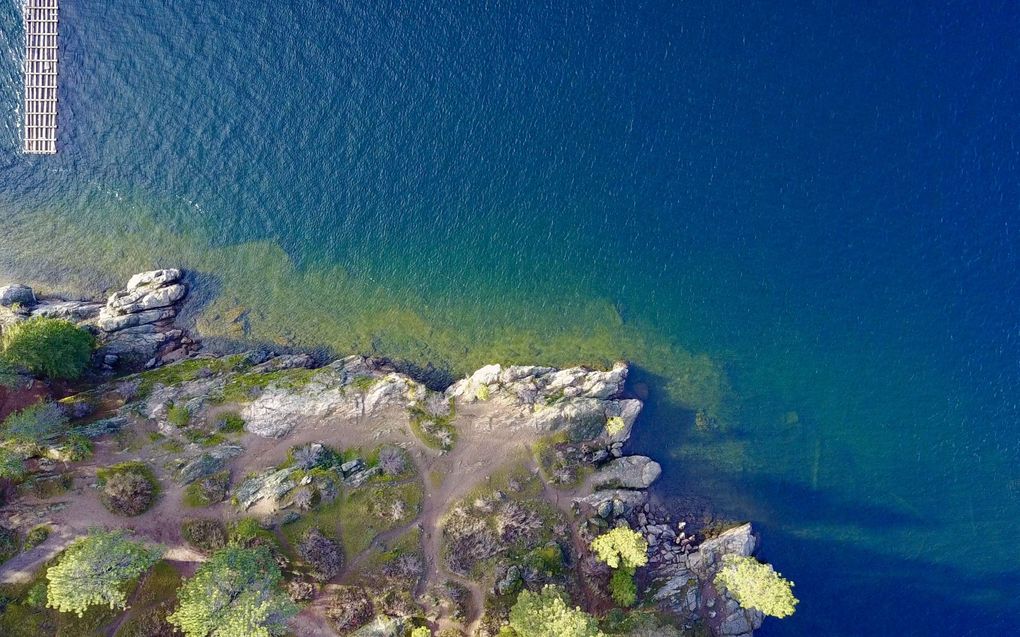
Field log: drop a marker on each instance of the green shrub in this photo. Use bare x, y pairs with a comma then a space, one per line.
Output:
36, 424
205, 535
77, 447
178, 416
622, 587
128, 488
49, 347
756, 585
230, 423
621, 547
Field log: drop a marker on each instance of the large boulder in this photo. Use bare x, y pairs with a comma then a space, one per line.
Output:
629, 472
207, 463
136, 324
16, 293
270, 486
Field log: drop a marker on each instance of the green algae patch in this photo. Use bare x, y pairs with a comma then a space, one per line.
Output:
330, 306
241, 388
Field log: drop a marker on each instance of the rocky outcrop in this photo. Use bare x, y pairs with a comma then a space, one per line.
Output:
136, 324
331, 391
16, 294
629, 472
687, 590
207, 463
578, 399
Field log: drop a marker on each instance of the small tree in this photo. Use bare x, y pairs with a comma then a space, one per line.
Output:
235, 594
621, 547
50, 347
95, 569
547, 614
756, 585
623, 550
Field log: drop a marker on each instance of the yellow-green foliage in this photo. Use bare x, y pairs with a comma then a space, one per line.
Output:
615, 425
421, 631
547, 614
95, 569
621, 547
235, 594
50, 347
482, 393
756, 585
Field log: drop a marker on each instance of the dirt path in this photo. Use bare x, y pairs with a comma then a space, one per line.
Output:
482, 448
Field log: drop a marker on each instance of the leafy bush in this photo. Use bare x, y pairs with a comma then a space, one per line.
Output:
39, 423
205, 535
392, 461
622, 587
615, 425
349, 608
128, 488
322, 554
95, 570
178, 415
236, 593
546, 614
421, 631
50, 347
756, 585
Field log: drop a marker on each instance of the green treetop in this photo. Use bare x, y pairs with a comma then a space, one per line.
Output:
49, 347
95, 569
621, 547
547, 614
756, 585
235, 594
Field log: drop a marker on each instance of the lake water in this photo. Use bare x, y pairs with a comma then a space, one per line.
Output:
802, 220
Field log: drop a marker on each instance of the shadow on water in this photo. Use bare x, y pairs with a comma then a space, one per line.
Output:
863, 573
856, 591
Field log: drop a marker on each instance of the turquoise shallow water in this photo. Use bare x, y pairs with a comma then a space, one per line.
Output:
823, 199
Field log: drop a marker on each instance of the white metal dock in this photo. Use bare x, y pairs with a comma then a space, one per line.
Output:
41, 76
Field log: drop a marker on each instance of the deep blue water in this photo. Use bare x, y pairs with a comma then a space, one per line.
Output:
821, 197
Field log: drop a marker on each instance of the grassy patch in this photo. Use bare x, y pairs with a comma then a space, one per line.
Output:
207, 491
178, 415
35, 537
359, 515
241, 388
186, 370
229, 422
364, 383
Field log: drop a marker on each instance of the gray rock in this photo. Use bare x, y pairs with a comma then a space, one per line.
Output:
154, 278
16, 293
351, 466
381, 626
288, 361
271, 485
361, 477
630, 472
102, 427
208, 463
144, 298
75, 311
506, 583
111, 322
623, 501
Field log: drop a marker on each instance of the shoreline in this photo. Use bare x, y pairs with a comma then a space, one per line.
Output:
137, 329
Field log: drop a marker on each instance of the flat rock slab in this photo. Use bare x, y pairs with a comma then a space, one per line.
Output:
628, 472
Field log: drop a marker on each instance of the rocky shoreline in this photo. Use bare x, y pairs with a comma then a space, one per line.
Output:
574, 422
